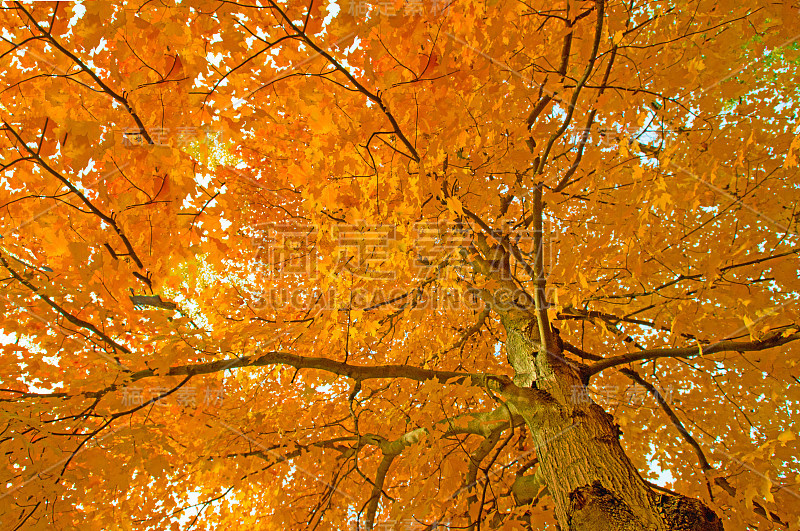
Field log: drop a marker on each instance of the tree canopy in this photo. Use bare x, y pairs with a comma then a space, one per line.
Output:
349, 264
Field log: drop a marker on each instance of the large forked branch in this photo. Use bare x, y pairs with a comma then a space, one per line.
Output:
536, 272
576, 93
374, 97
490, 425
565, 180
566, 48
773, 339
484, 265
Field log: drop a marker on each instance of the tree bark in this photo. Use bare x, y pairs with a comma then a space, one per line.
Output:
594, 485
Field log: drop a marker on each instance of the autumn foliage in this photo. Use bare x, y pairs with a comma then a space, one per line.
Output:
399, 265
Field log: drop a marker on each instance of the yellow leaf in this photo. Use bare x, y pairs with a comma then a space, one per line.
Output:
765, 491
454, 205
618, 37
787, 436
623, 147
750, 492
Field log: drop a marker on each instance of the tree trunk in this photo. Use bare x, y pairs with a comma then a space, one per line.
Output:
594, 485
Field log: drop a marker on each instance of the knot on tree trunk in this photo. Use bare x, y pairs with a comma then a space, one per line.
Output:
594, 507
688, 514
597, 508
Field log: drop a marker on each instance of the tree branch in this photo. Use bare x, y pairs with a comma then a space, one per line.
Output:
68, 316
773, 339
518, 396
576, 93
82, 65
110, 220
377, 489
375, 98
538, 266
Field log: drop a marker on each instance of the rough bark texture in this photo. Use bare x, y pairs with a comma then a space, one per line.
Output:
594, 485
